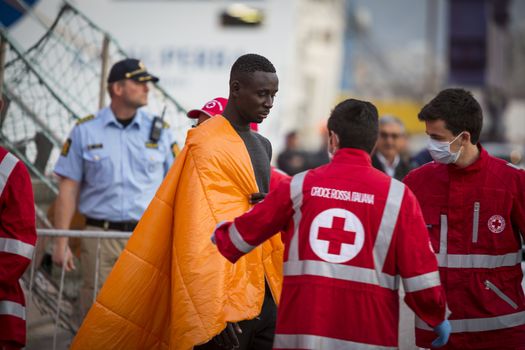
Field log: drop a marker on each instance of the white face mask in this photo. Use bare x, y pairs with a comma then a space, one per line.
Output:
440, 151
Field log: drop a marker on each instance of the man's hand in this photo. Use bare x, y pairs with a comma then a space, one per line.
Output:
62, 254
443, 331
65, 205
227, 339
257, 197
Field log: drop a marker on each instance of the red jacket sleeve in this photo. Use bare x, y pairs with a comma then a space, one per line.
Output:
234, 239
417, 264
17, 225
276, 176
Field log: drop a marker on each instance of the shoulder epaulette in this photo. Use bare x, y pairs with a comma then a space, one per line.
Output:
165, 125
85, 119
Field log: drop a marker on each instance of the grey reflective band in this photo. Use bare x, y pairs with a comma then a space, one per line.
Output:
500, 294
238, 241
481, 324
478, 261
14, 246
514, 166
417, 283
317, 342
443, 231
12, 309
296, 194
475, 223
388, 223
6, 167
342, 272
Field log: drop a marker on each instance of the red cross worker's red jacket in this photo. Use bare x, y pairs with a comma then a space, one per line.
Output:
474, 216
17, 240
350, 232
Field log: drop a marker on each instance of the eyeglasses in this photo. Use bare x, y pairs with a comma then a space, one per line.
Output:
386, 135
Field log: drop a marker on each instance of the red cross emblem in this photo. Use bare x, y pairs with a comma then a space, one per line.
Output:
336, 235
496, 223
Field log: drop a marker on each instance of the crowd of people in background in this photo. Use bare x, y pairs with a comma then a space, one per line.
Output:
391, 154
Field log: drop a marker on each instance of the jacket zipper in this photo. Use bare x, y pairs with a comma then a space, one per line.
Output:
499, 293
475, 223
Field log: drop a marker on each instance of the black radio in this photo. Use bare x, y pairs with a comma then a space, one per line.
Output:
156, 127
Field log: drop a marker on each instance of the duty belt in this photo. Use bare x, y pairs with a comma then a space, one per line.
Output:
110, 225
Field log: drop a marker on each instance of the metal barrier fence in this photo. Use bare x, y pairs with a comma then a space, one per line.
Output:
44, 233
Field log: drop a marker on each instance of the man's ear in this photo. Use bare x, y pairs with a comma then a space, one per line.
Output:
235, 87
333, 141
466, 137
118, 87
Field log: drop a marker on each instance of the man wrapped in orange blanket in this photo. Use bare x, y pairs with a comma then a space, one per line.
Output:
170, 288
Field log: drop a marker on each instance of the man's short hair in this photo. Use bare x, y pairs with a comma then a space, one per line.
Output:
458, 109
390, 119
250, 63
356, 124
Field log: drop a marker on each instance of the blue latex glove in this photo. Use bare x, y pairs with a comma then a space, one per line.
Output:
443, 331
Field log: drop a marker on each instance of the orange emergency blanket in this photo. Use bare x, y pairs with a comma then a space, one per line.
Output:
170, 288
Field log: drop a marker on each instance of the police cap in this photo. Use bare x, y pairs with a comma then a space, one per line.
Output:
130, 68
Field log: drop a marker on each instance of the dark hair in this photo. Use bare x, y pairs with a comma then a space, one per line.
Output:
250, 63
356, 124
458, 109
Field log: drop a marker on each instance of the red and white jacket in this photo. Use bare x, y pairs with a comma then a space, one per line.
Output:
474, 216
17, 240
350, 234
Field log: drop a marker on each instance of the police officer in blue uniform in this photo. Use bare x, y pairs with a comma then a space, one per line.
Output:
111, 166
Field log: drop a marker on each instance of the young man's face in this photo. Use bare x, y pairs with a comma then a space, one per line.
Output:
255, 96
437, 130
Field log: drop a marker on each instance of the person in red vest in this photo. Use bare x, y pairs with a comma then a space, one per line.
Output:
474, 208
350, 232
17, 241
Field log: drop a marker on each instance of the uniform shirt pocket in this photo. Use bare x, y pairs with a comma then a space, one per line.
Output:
499, 293
151, 164
98, 168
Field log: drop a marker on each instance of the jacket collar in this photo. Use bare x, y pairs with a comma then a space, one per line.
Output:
474, 167
352, 155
